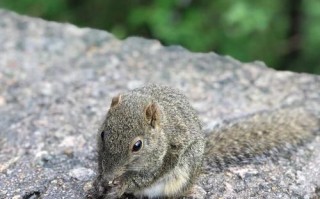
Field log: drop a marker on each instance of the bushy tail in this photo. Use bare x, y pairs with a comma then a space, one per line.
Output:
263, 133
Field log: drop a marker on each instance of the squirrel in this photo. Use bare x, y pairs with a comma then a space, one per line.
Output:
152, 143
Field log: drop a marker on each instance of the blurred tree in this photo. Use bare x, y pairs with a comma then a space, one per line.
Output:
48, 9
284, 34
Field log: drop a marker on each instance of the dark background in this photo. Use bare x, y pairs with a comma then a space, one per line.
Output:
284, 34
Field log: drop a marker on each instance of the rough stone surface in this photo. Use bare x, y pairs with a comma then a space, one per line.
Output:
56, 82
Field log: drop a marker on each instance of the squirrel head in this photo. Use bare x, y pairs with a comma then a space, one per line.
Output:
131, 140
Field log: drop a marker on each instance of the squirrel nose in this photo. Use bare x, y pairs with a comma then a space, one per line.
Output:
110, 174
112, 177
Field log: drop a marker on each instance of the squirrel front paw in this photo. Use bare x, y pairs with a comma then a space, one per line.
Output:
113, 190
116, 190
112, 193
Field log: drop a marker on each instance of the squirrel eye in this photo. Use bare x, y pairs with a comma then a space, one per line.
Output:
102, 135
137, 146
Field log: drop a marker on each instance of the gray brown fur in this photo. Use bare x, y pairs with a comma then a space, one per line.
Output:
178, 140
173, 137
267, 132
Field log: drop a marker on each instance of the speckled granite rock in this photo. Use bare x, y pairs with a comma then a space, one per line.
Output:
56, 81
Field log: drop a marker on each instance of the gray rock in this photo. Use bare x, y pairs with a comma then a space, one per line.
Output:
56, 82
82, 174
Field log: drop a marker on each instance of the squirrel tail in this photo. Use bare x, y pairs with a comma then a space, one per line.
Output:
263, 133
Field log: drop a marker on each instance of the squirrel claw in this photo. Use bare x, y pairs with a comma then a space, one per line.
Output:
116, 190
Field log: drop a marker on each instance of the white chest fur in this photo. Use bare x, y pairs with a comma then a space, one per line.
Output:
169, 185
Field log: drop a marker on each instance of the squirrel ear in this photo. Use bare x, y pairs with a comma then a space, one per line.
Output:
152, 114
115, 100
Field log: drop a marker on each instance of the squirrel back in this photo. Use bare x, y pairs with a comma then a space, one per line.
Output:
262, 133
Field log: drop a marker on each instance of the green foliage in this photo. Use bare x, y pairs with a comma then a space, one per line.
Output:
311, 43
245, 29
49, 9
